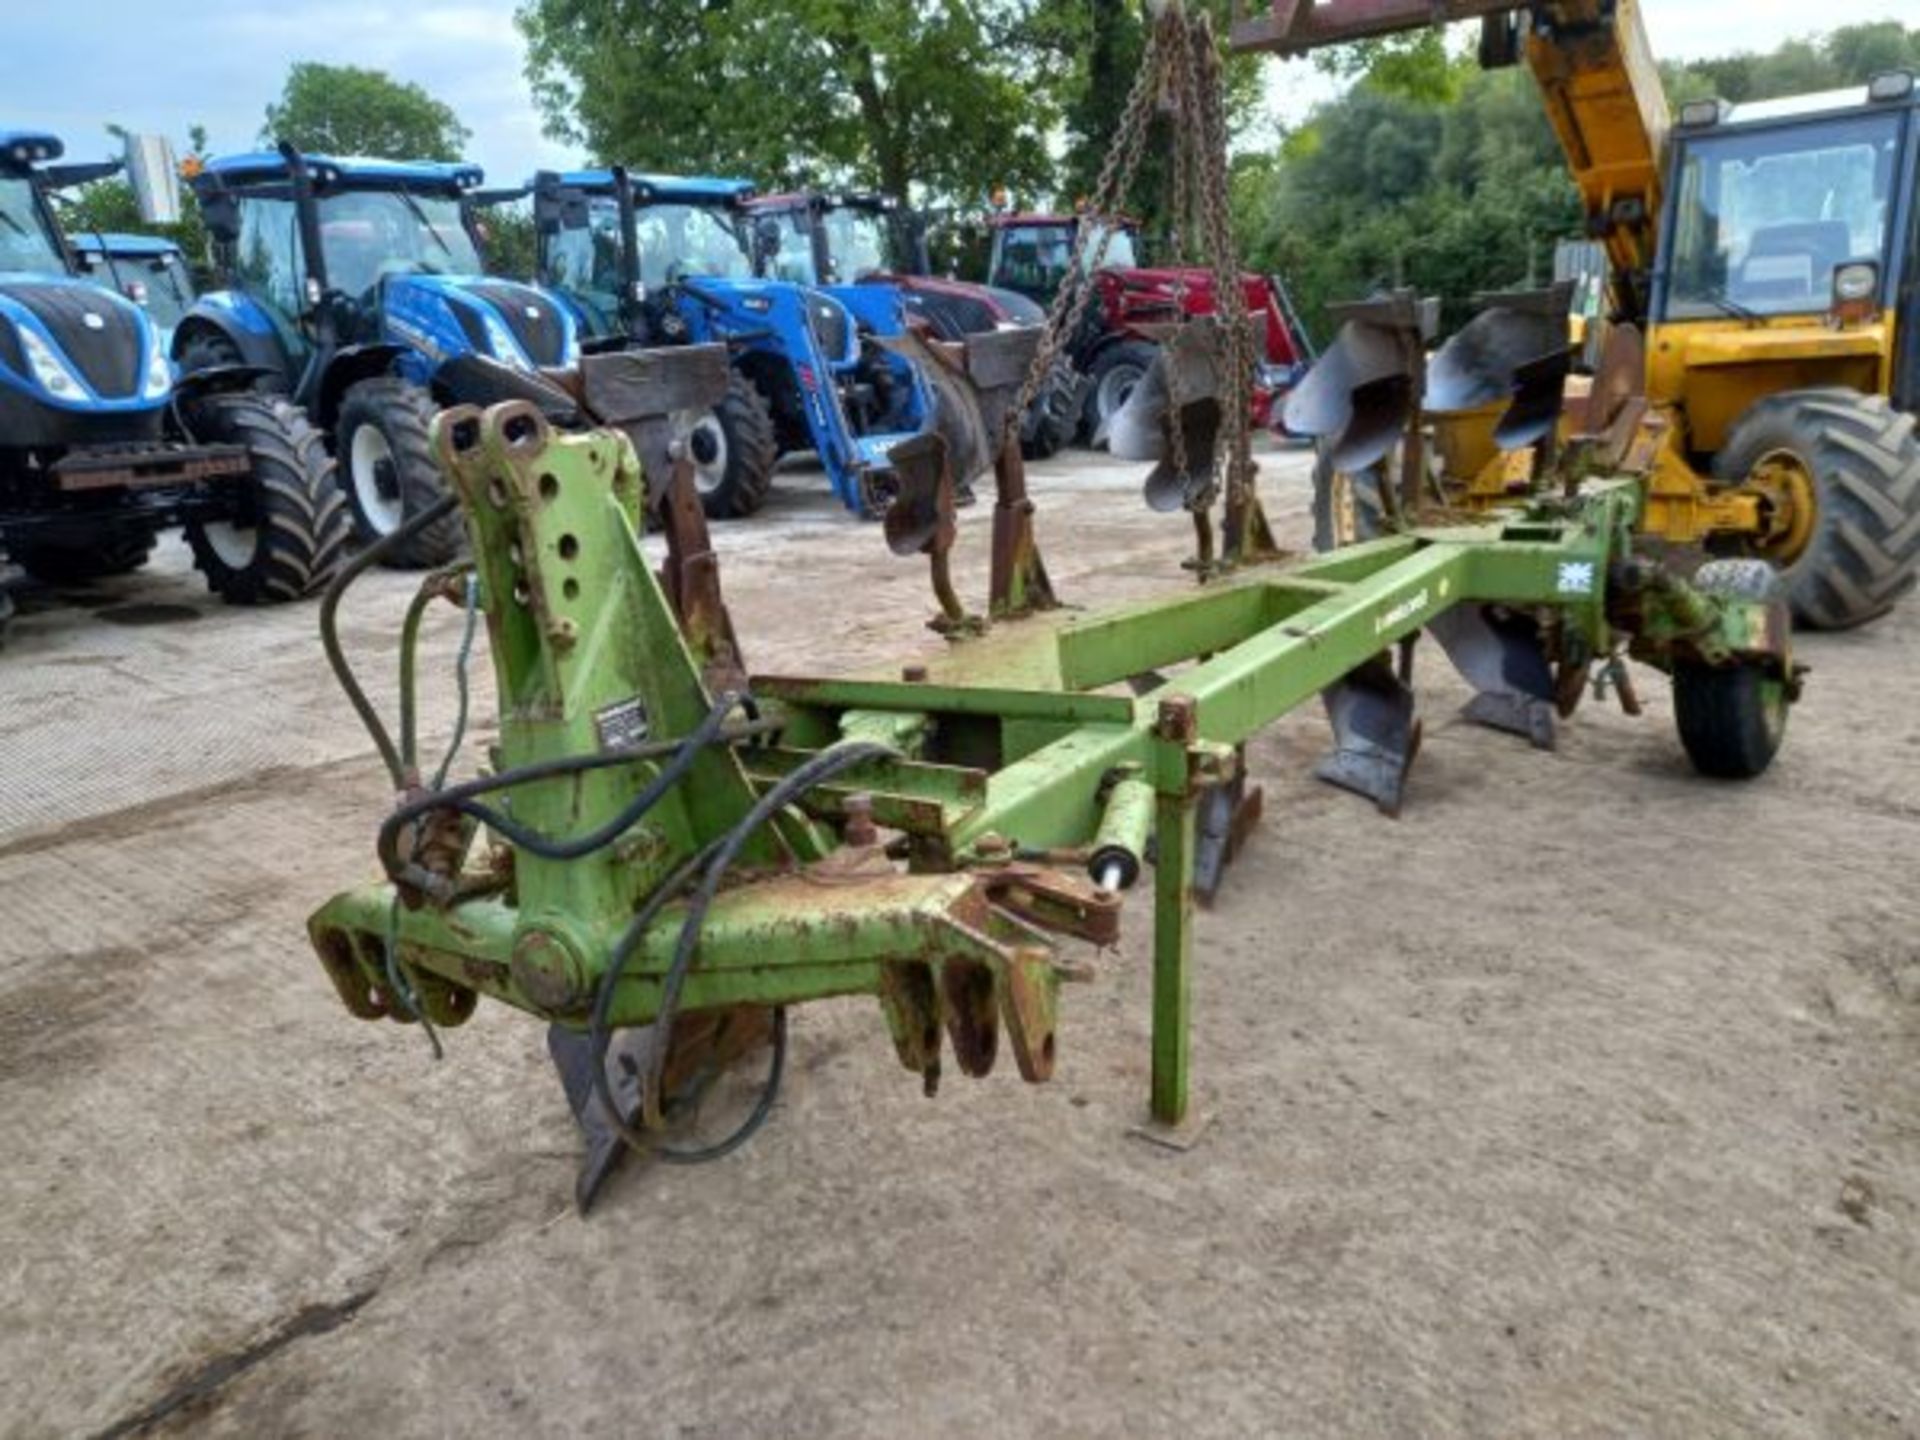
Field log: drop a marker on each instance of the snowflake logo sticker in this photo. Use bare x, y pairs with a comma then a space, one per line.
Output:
1576, 577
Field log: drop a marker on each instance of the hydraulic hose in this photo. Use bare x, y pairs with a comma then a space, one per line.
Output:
330, 628
712, 863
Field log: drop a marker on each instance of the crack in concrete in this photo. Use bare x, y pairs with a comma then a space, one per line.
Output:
204, 1383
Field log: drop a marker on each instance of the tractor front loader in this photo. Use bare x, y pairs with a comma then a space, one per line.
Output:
1766, 260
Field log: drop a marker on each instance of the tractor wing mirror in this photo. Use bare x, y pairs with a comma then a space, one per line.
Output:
155, 177
562, 207
766, 238
221, 214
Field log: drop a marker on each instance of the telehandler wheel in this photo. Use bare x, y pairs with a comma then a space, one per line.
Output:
1732, 718
734, 452
1111, 378
119, 552
1846, 467
1348, 507
298, 535
388, 472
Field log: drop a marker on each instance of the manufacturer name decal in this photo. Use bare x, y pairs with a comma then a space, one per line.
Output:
1401, 613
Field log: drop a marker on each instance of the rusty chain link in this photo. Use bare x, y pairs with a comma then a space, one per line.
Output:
1117, 173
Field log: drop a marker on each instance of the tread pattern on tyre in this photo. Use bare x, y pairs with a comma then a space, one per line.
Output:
404, 413
1865, 456
752, 452
303, 524
116, 552
1722, 711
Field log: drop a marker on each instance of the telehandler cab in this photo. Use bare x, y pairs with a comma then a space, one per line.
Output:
1765, 266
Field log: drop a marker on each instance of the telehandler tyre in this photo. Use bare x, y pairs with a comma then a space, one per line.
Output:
300, 524
388, 471
1348, 507
734, 452
1850, 463
1732, 718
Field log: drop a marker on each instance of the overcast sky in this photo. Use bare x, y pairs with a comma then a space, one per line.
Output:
72, 65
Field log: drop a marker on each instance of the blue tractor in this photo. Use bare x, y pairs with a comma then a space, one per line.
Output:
351, 284
652, 260
148, 269
101, 447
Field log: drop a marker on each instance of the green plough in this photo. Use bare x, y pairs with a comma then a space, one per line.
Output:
662, 858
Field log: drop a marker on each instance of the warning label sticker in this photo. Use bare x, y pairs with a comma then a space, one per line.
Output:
623, 725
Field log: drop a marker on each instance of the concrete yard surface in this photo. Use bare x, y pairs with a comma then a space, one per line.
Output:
1584, 1099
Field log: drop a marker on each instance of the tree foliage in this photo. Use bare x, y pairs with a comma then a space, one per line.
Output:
1433, 174
889, 93
108, 206
346, 110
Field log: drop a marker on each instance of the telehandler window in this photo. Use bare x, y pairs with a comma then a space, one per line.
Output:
1765, 216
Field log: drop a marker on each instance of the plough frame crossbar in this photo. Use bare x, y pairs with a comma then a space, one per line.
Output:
1022, 770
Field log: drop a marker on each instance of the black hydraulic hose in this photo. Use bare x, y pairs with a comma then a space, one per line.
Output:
458, 798
330, 629
713, 864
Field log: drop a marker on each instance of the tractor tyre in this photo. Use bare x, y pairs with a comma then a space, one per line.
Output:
1854, 462
1732, 718
388, 471
298, 535
734, 452
208, 350
119, 552
1111, 378
1348, 506
1053, 419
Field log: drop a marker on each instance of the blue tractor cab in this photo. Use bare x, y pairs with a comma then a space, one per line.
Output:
148, 269
101, 447
652, 260
351, 284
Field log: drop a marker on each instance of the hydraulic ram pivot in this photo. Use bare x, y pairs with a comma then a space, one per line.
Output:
663, 852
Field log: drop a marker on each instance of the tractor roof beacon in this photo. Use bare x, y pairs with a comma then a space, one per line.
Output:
357, 286
101, 447
1769, 254
653, 259
870, 252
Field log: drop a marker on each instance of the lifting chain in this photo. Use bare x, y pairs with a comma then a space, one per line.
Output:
1117, 172
1182, 74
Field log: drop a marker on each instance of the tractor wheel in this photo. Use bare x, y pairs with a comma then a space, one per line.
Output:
1054, 417
1348, 506
1844, 470
118, 552
299, 525
734, 452
1732, 718
388, 470
1111, 378
208, 350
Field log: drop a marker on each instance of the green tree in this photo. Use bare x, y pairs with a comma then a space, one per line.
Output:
887, 93
108, 206
1430, 173
345, 110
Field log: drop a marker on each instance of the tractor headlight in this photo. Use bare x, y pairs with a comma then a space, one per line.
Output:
314, 293
502, 343
1855, 282
159, 379
48, 368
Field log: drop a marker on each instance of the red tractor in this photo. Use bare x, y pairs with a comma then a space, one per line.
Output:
1031, 254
